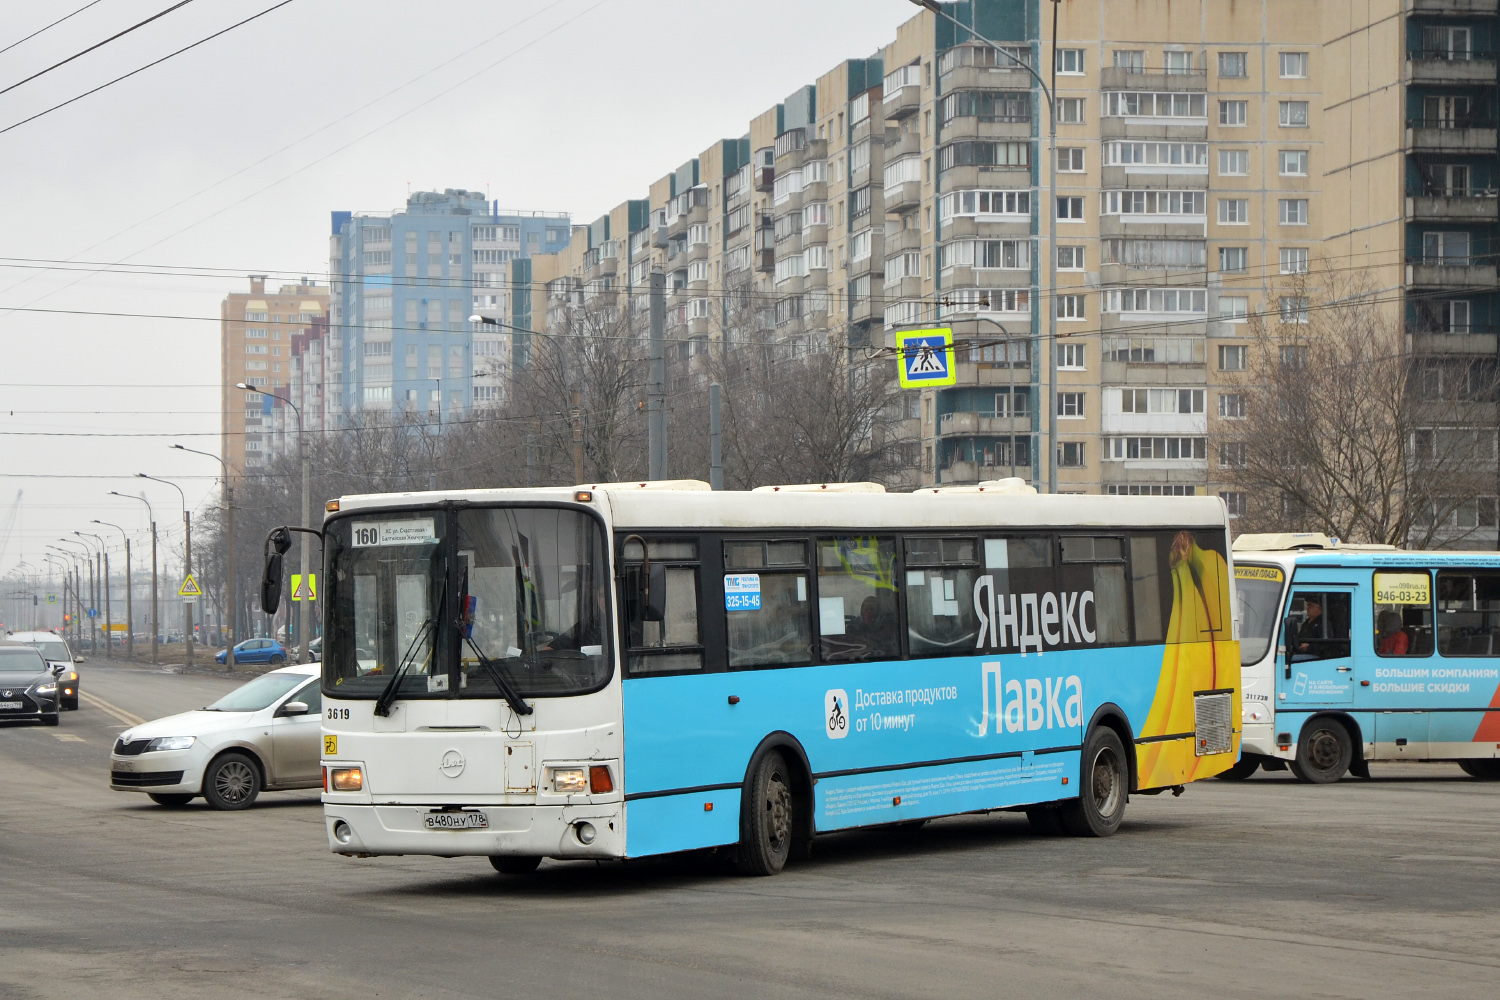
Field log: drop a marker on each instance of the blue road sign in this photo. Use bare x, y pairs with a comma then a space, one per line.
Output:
93, 612
926, 358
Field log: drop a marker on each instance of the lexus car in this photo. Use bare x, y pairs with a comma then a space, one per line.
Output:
262, 736
28, 689
54, 649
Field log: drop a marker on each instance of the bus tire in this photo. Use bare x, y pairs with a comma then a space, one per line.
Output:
1044, 820
514, 864
1323, 752
1486, 769
1247, 765
1103, 787
767, 819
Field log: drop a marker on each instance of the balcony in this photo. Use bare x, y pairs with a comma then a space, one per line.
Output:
905, 289
904, 197
967, 226
1449, 135
902, 142
789, 142
1436, 274
1452, 8
986, 78
975, 127
1474, 206
1480, 343
1160, 81
1446, 67
897, 240
959, 178
969, 473
1181, 129
988, 422
789, 244
764, 177
903, 103
765, 260
869, 309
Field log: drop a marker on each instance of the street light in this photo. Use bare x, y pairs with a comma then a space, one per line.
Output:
129, 597
575, 394
88, 560
234, 610
53, 562
187, 562
1047, 92
304, 626
78, 615
109, 619
155, 621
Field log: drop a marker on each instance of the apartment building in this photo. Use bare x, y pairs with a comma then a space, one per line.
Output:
257, 334
1213, 159
404, 285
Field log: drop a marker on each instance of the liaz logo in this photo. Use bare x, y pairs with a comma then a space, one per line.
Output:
836, 714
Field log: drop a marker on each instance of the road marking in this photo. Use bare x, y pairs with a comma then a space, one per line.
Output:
69, 738
129, 718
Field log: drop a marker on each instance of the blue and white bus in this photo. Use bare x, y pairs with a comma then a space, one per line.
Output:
626, 670
1354, 653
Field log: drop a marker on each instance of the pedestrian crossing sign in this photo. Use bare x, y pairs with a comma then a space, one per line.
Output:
189, 588
926, 358
308, 592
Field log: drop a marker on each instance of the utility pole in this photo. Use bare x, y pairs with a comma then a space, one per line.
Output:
715, 440
93, 607
575, 400
229, 567
187, 571
656, 406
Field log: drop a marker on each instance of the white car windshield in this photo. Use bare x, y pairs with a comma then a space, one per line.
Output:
258, 694
53, 650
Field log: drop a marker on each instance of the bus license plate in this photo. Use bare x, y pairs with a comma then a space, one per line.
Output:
466, 820
7, 705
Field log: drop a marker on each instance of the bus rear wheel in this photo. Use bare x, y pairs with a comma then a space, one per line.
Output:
1487, 770
1323, 753
1103, 788
767, 821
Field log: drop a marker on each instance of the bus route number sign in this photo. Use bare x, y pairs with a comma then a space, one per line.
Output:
418, 531
742, 592
1402, 588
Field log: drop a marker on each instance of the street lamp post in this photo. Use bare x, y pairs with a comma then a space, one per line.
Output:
129, 598
88, 560
575, 393
1048, 93
187, 562
155, 621
109, 619
229, 568
304, 625
72, 561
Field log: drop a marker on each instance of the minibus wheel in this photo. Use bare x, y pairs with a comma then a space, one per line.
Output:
767, 821
1323, 752
514, 864
1103, 787
1486, 769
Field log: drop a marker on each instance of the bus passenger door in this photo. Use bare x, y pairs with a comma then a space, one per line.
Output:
1318, 665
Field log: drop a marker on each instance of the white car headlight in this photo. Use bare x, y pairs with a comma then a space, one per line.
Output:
170, 743
46, 689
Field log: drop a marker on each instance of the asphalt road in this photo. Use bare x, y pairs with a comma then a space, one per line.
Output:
1267, 888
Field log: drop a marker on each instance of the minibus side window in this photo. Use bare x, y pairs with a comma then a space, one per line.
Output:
1468, 612
1403, 613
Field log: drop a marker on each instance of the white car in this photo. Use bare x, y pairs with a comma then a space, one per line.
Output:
262, 735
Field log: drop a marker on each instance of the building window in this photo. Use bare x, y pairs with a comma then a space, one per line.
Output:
1070, 404
1232, 357
1293, 310
1234, 162
1233, 66
1234, 260
1161, 401
1070, 209
1070, 357
1156, 448
1293, 114
1233, 454
1070, 62
1233, 112
1293, 65
1235, 501
1070, 258
1070, 454
1450, 249
1293, 163
1130, 60
1070, 111
1233, 308
1177, 61
1070, 159
1234, 211
1293, 211
1294, 260
1070, 307
1231, 405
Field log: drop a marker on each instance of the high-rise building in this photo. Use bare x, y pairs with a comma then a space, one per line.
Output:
1214, 159
404, 285
258, 332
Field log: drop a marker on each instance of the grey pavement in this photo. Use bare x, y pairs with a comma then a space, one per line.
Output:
1265, 888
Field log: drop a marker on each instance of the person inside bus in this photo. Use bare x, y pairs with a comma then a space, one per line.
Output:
1310, 632
1393, 640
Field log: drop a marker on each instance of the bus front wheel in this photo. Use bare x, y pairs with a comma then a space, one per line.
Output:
1103, 788
1323, 753
766, 820
1485, 769
513, 864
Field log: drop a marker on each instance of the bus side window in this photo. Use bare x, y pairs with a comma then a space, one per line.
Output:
940, 575
1150, 585
766, 603
674, 643
857, 615
1468, 613
1097, 563
1403, 613
1322, 625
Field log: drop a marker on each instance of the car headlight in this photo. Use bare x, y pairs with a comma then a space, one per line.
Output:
170, 743
569, 779
46, 689
72, 675
346, 779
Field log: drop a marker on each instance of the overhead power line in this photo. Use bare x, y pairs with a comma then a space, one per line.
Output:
47, 27
98, 45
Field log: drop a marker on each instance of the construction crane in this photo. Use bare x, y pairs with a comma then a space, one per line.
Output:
8, 524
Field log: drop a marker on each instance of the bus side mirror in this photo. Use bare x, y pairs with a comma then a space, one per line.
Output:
270, 583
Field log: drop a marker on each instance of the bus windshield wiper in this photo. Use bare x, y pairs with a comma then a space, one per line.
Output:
497, 673
383, 703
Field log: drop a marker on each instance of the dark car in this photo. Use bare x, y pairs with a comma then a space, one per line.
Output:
28, 689
256, 651
62, 660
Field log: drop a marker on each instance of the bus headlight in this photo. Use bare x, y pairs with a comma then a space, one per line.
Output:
569, 779
346, 779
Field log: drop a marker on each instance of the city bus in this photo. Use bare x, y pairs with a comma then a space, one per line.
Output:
617, 671
1359, 653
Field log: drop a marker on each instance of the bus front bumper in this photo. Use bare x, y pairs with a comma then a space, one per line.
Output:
550, 831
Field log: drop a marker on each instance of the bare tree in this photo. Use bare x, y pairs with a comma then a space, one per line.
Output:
1342, 428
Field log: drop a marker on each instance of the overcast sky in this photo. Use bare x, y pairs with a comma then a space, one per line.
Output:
231, 156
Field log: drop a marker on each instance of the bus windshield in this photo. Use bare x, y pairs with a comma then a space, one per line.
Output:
1259, 589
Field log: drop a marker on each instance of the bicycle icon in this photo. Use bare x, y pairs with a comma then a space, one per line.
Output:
837, 720
836, 716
